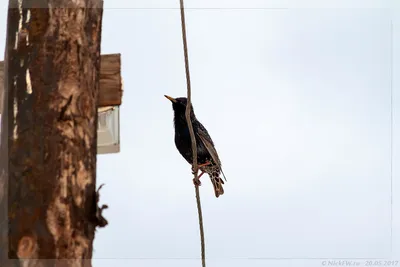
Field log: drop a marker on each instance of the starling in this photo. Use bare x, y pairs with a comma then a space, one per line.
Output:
207, 157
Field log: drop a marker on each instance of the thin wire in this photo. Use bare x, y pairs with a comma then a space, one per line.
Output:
192, 137
204, 8
391, 137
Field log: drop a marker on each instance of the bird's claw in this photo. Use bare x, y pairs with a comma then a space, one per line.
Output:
196, 182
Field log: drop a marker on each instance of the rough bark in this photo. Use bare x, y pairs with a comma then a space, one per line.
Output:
1, 85
110, 91
48, 174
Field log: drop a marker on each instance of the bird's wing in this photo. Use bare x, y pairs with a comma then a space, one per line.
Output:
208, 143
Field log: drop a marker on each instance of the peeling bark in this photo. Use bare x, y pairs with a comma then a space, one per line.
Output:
110, 88
48, 174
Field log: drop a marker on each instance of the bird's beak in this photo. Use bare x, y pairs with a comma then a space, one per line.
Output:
170, 98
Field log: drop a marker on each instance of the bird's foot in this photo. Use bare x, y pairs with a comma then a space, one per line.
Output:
205, 164
200, 165
196, 182
201, 174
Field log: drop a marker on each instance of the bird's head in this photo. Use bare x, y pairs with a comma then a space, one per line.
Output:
179, 106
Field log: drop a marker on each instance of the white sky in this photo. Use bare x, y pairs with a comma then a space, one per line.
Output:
298, 103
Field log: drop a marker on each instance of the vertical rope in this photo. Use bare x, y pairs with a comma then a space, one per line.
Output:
192, 137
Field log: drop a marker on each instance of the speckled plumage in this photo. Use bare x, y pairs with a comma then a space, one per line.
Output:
206, 152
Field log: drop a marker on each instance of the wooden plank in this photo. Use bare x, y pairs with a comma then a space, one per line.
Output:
110, 93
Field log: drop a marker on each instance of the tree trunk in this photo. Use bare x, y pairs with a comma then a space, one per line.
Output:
49, 137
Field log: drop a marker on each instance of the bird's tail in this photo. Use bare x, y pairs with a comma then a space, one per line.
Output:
217, 183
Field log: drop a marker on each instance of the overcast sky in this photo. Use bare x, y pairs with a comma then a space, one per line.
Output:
298, 101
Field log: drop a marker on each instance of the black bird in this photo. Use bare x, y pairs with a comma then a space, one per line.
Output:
207, 157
